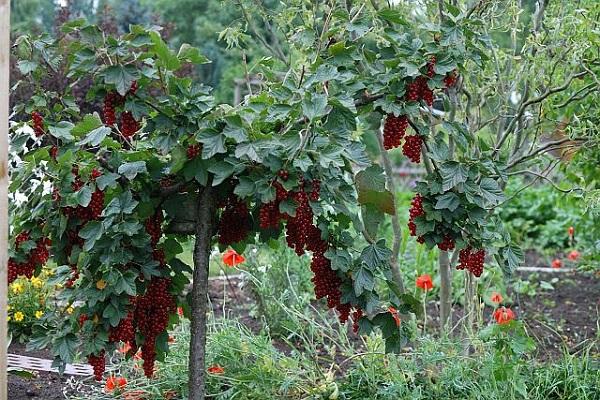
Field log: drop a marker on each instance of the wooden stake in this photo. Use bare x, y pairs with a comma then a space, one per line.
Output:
4, 63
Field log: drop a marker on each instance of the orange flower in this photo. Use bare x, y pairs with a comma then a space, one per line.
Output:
424, 282
571, 231
496, 298
573, 255
395, 314
125, 348
504, 315
556, 263
216, 369
115, 383
180, 311
232, 258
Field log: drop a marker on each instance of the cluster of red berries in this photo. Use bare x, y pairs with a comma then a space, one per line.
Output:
235, 221
129, 126
416, 210
451, 79
125, 331
471, 260
303, 235
110, 101
193, 151
152, 318
447, 243
153, 227
94, 209
36, 257
38, 123
412, 148
269, 215
98, 362
74, 276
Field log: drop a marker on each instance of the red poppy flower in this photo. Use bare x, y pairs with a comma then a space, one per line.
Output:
395, 314
125, 347
496, 298
180, 311
115, 383
232, 258
571, 231
573, 255
424, 282
504, 315
556, 263
216, 369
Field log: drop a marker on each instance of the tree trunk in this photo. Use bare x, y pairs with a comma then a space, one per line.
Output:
445, 291
204, 229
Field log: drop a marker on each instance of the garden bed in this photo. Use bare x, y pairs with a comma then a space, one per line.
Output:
560, 318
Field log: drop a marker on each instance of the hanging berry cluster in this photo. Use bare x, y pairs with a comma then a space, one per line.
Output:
193, 151
302, 235
128, 126
152, 318
416, 210
472, 260
235, 222
394, 129
35, 258
94, 209
98, 364
38, 123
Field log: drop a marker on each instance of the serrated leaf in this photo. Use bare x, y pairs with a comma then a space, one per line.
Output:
491, 191
246, 187
84, 196
453, 173
167, 58
375, 255
449, 201
384, 201
213, 142
314, 106
340, 259
88, 124
191, 54
121, 76
95, 137
248, 150
131, 169
363, 281
107, 179
62, 130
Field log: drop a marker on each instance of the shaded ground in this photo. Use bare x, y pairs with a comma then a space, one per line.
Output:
563, 317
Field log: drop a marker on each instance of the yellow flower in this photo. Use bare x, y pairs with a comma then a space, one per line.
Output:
8, 307
39, 314
37, 282
101, 284
8, 319
70, 310
17, 288
19, 316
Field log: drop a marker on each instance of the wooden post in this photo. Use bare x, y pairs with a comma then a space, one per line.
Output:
4, 68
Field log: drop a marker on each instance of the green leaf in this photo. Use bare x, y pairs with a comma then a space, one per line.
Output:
448, 201
386, 322
375, 254
340, 259
314, 106
95, 137
372, 217
513, 256
108, 179
221, 171
288, 206
248, 150
121, 76
213, 142
371, 178
453, 173
168, 59
246, 187
131, 169
84, 196
191, 54
363, 280
491, 191
62, 130
88, 124
26, 66
393, 15
384, 201
65, 347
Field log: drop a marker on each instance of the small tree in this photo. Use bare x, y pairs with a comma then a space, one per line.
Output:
112, 194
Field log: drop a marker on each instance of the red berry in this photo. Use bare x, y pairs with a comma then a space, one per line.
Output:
54, 152
38, 123
451, 79
416, 210
283, 174
193, 151
412, 148
447, 243
129, 126
98, 364
234, 224
394, 129
413, 91
96, 173
110, 100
